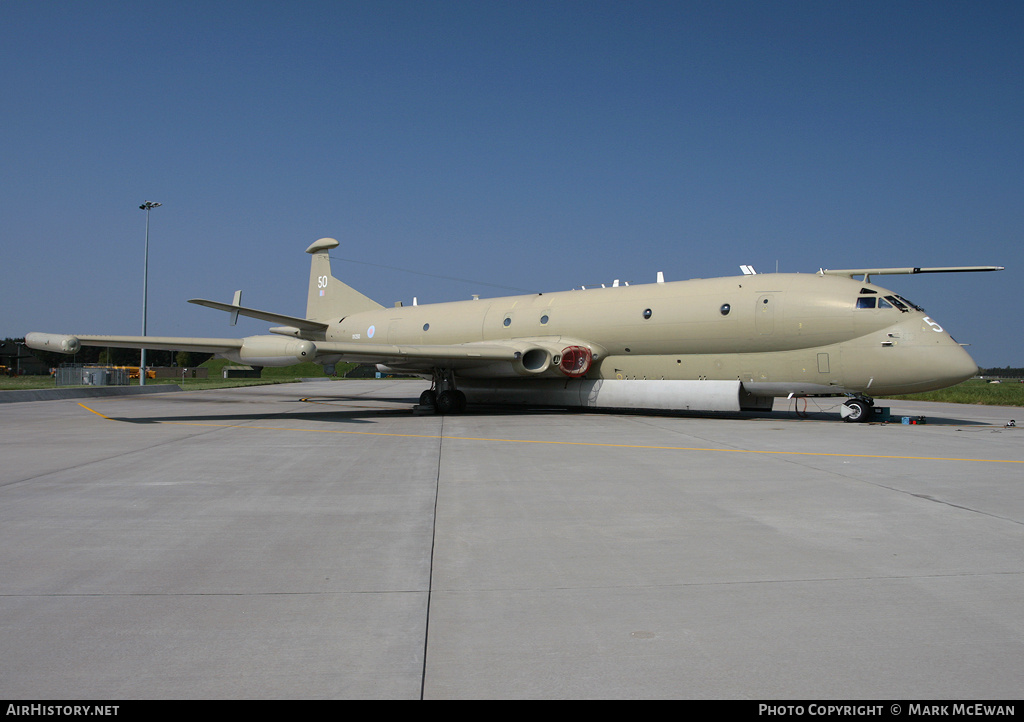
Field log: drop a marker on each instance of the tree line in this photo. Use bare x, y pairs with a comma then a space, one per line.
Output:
1005, 372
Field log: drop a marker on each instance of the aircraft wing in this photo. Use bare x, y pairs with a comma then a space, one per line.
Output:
70, 344
284, 351
851, 272
235, 309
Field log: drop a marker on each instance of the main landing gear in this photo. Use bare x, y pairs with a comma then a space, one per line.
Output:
857, 409
442, 396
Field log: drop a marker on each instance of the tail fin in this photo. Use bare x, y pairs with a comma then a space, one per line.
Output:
328, 297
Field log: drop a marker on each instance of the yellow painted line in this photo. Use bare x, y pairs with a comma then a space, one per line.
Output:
93, 410
592, 444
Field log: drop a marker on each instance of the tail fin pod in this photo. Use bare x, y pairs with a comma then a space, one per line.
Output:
328, 297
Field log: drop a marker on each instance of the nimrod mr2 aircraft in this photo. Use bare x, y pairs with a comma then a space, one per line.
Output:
718, 344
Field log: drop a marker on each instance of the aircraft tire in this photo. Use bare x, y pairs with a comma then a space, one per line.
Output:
447, 402
859, 411
428, 398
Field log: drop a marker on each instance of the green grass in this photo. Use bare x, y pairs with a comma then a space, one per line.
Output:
975, 391
15, 383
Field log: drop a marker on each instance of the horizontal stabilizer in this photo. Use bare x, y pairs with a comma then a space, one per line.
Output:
235, 310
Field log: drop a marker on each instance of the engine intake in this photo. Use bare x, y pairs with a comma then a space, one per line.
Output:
575, 361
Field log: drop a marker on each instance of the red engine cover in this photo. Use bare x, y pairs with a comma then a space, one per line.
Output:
575, 361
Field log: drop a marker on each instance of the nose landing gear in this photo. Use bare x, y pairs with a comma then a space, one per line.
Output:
857, 409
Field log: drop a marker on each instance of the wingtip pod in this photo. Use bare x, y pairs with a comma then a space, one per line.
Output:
60, 343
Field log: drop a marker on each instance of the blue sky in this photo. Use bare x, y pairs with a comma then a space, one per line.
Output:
490, 147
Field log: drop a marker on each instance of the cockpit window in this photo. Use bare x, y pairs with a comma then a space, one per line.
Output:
911, 304
897, 303
867, 290
865, 302
882, 303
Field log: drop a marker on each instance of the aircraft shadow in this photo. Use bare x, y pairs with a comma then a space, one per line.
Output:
352, 416
357, 409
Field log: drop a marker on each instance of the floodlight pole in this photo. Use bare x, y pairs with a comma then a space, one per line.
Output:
147, 206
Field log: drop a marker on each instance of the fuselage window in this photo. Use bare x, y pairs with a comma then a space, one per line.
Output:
865, 302
507, 321
725, 309
647, 313
426, 326
543, 319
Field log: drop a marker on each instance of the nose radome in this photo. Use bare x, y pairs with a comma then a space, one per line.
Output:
939, 361
948, 363
960, 364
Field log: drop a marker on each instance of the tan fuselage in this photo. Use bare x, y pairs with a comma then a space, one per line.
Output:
776, 333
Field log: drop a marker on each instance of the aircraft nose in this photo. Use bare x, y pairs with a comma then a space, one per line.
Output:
949, 364
929, 358
960, 366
